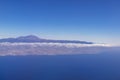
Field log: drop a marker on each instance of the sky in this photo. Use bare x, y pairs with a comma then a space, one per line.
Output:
88, 20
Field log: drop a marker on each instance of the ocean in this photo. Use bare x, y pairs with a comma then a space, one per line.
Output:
61, 67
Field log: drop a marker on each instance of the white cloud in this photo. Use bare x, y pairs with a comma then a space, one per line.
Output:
57, 44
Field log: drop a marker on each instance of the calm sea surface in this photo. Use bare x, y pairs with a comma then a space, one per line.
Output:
73, 67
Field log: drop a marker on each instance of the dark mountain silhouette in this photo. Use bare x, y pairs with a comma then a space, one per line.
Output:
32, 38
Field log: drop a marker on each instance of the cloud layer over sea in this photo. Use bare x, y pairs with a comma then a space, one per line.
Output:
7, 48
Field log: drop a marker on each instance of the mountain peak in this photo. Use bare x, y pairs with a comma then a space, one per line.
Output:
31, 37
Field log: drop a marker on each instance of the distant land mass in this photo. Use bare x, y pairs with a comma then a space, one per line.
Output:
33, 45
32, 39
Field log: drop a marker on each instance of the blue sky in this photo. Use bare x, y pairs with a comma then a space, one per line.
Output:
90, 20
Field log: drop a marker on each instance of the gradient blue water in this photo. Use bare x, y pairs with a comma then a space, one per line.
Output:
77, 67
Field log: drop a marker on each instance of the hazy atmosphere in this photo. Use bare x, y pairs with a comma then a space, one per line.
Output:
59, 39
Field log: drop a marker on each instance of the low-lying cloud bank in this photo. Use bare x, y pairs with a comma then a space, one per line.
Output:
54, 44
7, 48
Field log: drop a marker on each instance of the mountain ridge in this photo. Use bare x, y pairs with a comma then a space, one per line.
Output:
33, 38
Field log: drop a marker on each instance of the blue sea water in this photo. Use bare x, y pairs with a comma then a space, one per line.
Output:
72, 67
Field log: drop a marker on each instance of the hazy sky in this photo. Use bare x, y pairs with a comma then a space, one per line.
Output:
90, 20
